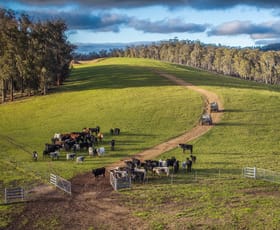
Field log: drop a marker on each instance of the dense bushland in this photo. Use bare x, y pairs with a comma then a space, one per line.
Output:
33, 55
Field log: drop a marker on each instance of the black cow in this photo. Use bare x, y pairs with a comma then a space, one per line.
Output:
176, 166
150, 164
85, 145
94, 130
193, 158
170, 162
186, 147
112, 145
117, 131
52, 147
98, 172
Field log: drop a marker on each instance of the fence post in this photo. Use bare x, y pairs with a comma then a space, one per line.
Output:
255, 174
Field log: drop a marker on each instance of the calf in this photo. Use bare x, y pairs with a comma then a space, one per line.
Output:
70, 156
54, 155
98, 172
80, 159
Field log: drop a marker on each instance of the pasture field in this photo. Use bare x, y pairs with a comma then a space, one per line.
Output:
126, 93
113, 93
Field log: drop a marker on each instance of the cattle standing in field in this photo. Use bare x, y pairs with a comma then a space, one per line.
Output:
117, 131
138, 175
150, 164
70, 156
170, 162
161, 170
100, 151
176, 166
98, 172
54, 155
35, 156
112, 145
95, 130
80, 159
50, 148
189, 165
186, 147
193, 158
100, 137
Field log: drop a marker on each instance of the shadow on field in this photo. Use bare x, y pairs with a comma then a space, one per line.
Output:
238, 124
111, 77
137, 134
233, 111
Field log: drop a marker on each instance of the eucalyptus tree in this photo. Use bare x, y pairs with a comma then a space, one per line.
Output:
8, 36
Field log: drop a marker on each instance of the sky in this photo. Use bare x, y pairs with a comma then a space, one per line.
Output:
227, 22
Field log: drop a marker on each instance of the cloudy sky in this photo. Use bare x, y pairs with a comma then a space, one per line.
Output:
225, 22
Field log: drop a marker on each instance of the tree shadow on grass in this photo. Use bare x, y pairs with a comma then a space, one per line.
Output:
111, 77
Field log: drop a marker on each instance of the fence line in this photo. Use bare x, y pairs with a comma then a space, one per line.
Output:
61, 183
262, 174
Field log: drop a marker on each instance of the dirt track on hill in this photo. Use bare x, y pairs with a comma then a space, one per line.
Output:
93, 204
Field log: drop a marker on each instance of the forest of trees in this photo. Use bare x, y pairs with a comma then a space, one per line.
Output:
245, 63
33, 55
261, 65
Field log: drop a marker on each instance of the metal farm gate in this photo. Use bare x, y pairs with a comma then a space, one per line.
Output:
249, 172
61, 183
262, 174
14, 195
119, 183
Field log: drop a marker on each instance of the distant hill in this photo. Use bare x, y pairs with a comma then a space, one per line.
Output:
275, 47
86, 48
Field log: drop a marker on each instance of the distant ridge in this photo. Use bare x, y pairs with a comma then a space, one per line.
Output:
86, 48
275, 47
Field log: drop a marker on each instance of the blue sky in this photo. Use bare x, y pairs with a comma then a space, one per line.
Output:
225, 22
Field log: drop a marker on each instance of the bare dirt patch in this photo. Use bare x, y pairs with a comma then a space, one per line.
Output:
93, 203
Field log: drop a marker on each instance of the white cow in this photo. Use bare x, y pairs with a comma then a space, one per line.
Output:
70, 156
101, 151
161, 170
80, 159
90, 151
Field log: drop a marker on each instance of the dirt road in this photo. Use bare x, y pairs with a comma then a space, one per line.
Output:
93, 203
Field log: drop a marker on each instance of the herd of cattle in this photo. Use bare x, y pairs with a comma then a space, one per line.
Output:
88, 139
91, 138
137, 170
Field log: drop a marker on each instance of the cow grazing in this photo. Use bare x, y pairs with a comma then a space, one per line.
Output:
186, 147
98, 172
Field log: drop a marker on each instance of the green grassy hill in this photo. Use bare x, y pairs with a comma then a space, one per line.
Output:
126, 93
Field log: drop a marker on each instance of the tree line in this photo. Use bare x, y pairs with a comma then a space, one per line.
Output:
33, 55
246, 63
